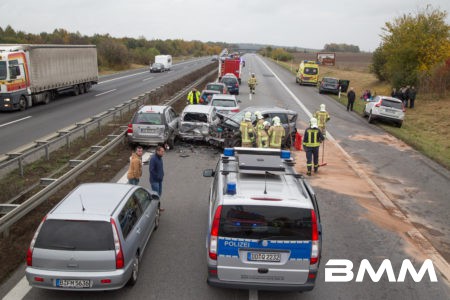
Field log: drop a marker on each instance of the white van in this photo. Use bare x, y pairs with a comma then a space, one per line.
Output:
166, 60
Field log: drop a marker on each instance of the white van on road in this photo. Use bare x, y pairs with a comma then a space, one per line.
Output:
166, 60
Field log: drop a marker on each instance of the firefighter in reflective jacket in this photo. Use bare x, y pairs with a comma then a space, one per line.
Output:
263, 136
259, 125
247, 130
252, 82
311, 143
276, 134
193, 97
322, 117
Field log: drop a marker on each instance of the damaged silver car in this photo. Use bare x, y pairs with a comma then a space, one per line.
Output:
196, 122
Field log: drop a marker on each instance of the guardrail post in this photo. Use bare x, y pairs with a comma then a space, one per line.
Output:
99, 126
84, 133
67, 141
20, 166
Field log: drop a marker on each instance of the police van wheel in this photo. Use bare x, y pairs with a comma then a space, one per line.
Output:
134, 271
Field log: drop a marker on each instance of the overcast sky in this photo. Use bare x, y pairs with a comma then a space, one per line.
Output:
301, 23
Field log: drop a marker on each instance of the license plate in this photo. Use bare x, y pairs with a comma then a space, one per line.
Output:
73, 283
147, 130
390, 111
264, 256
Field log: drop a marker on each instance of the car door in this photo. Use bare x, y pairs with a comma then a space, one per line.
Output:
149, 209
131, 226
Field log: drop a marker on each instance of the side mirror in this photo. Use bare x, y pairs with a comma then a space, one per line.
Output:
154, 195
208, 173
239, 101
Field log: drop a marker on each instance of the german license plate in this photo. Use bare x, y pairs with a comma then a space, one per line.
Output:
148, 130
73, 283
264, 256
390, 111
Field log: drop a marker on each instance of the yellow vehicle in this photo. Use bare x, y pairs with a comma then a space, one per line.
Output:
307, 73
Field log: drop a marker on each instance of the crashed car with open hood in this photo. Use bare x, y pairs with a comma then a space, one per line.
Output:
196, 122
227, 133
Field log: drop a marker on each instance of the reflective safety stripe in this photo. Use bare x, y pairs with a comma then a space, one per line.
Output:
312, 139
246, 128
276, 134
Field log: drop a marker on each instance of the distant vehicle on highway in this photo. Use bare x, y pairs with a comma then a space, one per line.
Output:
217, 86
329, 85
154, 125
206, 96
157, 67
33, 74
307, 73
94, 239
386, 109
231, 82
166, 60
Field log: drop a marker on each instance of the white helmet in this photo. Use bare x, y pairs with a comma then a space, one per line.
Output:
322, 107
253, 74
313, 123
276, 121
266, 123
248, 116
258, 115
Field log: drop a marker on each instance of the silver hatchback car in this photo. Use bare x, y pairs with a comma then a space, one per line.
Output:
93, 239
225, 104
153, 125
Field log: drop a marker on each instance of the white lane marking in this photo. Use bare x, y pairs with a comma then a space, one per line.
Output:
19, 291
148, 78
253, 294
22, 288
105, 92
15, 121
250, 96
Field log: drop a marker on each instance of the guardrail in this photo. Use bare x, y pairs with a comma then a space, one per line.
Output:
15, 212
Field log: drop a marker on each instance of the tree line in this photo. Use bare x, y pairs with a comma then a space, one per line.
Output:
115, 53
415, 50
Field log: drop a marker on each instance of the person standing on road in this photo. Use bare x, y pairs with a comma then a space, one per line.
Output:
322, 117
157, 171
193, 97
135, 169
259, 125
263, 136
412, 96
311, 143
252, 82
247, 131
351, 99
276, 134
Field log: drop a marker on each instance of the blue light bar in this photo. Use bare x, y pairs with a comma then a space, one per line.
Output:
285, 154
231, 188
228, 152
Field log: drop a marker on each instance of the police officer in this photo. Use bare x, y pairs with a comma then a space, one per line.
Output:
276, 134
311, 143
263, 136
193, 97
322, 117
252, 83
247, 130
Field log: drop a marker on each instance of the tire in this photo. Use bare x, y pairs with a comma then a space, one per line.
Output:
23, 103
47, 98
370, 119
87, 86
134, 271
76, 90
81, 88
158, 215
399, 124
296, 80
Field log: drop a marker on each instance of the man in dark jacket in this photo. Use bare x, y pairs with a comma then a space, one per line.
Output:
157, 171
412, 97
351, 99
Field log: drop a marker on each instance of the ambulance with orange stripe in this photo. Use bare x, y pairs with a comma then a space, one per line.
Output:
33, 74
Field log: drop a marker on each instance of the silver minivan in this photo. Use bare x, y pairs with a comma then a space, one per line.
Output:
94, 239
264, 229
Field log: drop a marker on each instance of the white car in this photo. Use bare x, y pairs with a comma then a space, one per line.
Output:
385, 108
196, 122
225, 104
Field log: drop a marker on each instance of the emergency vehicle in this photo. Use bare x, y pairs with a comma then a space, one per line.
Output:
230, 65
307, 73
264, 229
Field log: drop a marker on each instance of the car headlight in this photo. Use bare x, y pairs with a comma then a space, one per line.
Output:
7, 99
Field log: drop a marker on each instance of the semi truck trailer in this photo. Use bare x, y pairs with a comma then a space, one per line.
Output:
33, 74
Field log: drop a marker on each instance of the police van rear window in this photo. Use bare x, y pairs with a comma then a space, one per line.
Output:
271, 222
72, 235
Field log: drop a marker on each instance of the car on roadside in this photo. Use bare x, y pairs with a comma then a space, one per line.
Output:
196, 122
231, 82
225, 104
207, 95
153, 125
217, 86
157, 67
227, 133
386, 109
94, 239
329, 85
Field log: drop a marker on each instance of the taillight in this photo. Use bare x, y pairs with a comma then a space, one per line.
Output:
33, 241
213, 239
117, 246
237, 84
235, 110
378, 104
130, 128
315, 239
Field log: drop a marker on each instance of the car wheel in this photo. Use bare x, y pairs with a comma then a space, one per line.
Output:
364, 113
370, 119
399, 124
296, 80
171, 142
22, 103
134, 271
158, 215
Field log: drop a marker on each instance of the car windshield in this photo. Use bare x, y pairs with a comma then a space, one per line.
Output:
393, 104
311, 71
2, 70
331, 80
195, 117
223, 103
214, 87
229, 80
265, 222
74, 235
148, 118
157, 65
